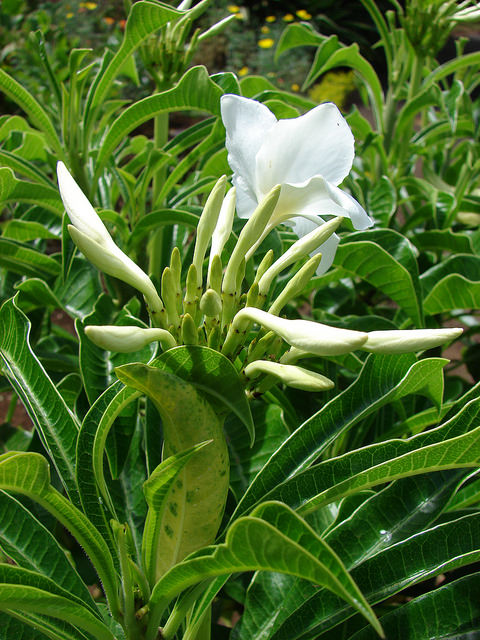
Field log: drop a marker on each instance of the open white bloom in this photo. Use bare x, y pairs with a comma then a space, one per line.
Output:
92, 238
308, 156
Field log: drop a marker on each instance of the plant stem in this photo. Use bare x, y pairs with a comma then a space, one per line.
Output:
156, 245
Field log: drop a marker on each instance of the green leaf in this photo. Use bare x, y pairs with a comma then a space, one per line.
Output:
382, 380
158, 489
81, 288
455, 444
195, 90
386, 260
26, 541
213, 374
33, 600
144, 19
25, 231
26, 261
385, 519
382, 201
187, 420
453, 284
35, 293
273, 538
451, 611
55, 424
296, 35
331, 55
160, 218
14, 190
33, 109
29, 474
447, 240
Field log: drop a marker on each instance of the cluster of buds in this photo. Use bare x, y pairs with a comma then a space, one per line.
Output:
216, 307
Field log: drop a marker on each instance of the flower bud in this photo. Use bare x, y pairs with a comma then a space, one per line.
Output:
292, 376
189, 330
211, 303
207, 224
312, 337
223, 228
126, 339
296, 284
408, 340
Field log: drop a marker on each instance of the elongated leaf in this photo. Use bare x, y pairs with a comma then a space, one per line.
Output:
29, 474
35, 600
453, 284
452, 611
295, 609
32, 108
296, 35
12, 628
385, 259
26, 261
157, 490
160, 218
452, 445
382, 379
213, 374
382, 201
25, 230
447, 240
257, 543
24, 539
144, 19
56, 425
14, 190
194, 91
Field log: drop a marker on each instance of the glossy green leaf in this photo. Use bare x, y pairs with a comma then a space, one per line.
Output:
26, 230
80, 289
26, 541
160, 218
29, 474
35, 293
453, 284
382, 380
382, 201
296, 35
55, 424
195, 90
455, 444
452, 611
296, 610
32, 108
26, 261
447, 240
34, 600
14, 190
386, 260
273, 538
10, 628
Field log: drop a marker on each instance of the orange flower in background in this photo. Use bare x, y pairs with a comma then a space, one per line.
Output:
122, 24
243, 71
295, 87
109, 21
266, 43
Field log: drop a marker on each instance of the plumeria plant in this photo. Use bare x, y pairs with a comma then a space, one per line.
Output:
217, 452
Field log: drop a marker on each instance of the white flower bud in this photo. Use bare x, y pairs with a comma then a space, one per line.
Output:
126, 339
408, 340
207, 224
312, 337
292, 376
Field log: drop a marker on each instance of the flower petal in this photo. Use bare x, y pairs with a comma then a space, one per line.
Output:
318, 197
294, 150
246, 122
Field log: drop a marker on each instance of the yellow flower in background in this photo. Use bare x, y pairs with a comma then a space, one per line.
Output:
335, 86
233, 8
265, 29
88, 5
243, 72
69, 16
295, 87
289, 17
303, 15
266, 43
270, 19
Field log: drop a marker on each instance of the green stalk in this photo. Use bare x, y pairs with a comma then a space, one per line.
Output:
159, 241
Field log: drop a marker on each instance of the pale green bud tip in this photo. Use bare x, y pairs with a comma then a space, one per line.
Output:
211, 303
126, 339
409, 340
292, 376
313, 337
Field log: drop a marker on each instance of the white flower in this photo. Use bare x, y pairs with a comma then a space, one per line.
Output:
311, 337
308, 156
406, 341
92, 238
